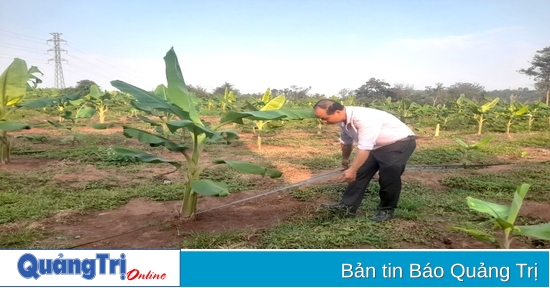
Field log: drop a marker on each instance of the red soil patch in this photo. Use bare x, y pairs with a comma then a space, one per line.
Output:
144, 223
25, 164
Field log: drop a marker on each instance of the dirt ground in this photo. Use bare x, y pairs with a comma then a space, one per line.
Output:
143, 223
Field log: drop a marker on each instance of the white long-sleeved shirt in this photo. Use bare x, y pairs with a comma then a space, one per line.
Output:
371, 128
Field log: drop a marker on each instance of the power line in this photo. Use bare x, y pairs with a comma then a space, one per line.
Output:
24, 58
12, 46
12, 21
86, 66
22, 39
84, 60
87, 71
118, 68
23, 35
83, 75
59, 79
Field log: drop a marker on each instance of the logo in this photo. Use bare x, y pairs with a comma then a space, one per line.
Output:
31, 267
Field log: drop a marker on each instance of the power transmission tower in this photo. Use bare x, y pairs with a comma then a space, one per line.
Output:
59, 79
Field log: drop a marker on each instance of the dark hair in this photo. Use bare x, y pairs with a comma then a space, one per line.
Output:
328, 105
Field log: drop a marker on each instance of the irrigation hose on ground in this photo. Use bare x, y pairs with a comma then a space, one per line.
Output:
315, 179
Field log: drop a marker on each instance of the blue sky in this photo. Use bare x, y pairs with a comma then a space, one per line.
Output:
328, 45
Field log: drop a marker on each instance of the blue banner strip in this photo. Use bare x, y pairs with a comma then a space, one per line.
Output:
360, 268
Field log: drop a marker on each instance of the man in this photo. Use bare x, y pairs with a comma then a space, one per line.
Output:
384, 146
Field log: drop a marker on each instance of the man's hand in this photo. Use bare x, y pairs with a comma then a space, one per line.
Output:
349, 175
345, 163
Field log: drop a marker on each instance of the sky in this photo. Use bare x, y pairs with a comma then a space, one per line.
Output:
260, 44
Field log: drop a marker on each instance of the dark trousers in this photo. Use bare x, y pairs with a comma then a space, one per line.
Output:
389, 161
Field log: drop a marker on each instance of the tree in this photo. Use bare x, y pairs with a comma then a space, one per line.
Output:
199, 91
540, 71
470, 90
293, 92
437, 93
344, 92
373, 89
82, 88
402, 91
221, 90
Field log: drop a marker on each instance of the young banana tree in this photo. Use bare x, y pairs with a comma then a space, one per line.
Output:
466, 149
504, 217
480, 111
15, 81
407, 109
442, 114
512, 112
267, 104
227, 99
70, 127
100, 101
161, 126
183, 105
537, 109
62, 101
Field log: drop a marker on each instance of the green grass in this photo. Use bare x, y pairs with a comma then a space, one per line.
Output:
503, 184
44, 201
449, 151
22, 238
321, 162
323, 232
225, 240
436, 155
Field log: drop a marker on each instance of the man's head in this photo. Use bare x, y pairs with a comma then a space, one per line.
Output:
330, 112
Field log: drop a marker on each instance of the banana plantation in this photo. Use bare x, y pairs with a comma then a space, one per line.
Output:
169, 168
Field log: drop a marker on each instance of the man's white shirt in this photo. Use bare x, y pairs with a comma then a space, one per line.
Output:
371, 128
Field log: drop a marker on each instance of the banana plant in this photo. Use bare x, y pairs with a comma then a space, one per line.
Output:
466, 149
384, 104
227, 99
210, 104
71, 127
407, 109
267, 104
442, 115
512, 112
439, 112
59, 108
62, 101
351, 101
161, 127
480, 111
537, 109
15, 81
320, 125
59, 103
504, 218
100, 101
183, 105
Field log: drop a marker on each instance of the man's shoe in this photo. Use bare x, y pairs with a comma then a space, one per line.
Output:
382, 215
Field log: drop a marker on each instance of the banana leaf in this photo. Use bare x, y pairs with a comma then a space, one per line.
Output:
153, 140
291, 114
209, 187
145, 157
249, 168
13, 126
